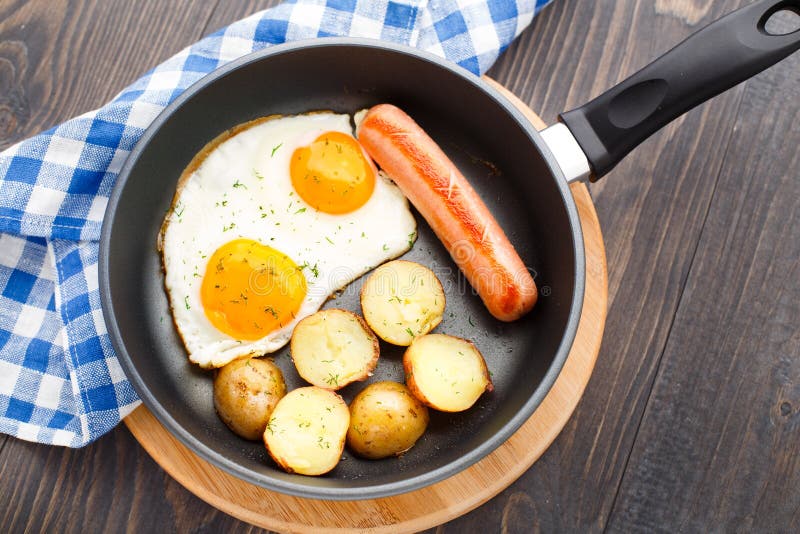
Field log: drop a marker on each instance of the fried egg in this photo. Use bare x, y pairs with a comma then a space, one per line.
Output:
269, 220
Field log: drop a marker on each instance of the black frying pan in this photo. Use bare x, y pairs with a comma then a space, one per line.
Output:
526, 187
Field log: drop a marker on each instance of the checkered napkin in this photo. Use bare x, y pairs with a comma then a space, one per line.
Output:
60, 381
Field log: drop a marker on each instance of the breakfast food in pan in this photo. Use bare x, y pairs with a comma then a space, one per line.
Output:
271, 219
333, 348
245, 393
268, 221
385, 420
401, 300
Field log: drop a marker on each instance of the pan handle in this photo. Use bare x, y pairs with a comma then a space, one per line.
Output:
714, 59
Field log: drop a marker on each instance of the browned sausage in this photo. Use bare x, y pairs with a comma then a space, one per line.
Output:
452, 208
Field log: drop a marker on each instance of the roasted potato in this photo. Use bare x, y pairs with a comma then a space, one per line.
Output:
385, 420
245, 393
445, 372
402, 300
307, 430
332, 348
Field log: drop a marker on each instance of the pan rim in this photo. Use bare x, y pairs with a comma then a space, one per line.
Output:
356, 492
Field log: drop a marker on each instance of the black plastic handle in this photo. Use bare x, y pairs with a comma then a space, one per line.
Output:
714, 59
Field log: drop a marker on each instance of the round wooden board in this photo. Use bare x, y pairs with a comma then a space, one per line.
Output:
433, 505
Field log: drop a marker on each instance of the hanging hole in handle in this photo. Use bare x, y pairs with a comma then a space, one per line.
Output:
783, 20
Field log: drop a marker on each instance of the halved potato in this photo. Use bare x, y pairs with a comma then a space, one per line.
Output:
385, 420
445, 372
402, 300
332, 348
245, 393
306, 431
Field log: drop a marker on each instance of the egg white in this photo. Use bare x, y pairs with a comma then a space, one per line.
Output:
242, 189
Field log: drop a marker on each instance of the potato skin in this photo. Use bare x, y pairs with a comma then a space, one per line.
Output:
385, 420
245, 392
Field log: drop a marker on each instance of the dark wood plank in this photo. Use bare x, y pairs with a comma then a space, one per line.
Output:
719, 446
59, 59
108, 486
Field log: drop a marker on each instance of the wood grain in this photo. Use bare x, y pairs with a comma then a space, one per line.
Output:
725, 408
62, 58
696, 204
106, 487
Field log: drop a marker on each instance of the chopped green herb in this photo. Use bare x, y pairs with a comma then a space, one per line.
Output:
258, 174
410, 332
314, 269
275, 149
328, 239
301, 210
237, 183
186, 302
332, 379
385, 247
411, 238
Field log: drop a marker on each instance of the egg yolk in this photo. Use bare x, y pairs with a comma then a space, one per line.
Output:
250, 289
333, 174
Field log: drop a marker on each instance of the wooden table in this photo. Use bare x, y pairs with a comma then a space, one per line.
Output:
692, 418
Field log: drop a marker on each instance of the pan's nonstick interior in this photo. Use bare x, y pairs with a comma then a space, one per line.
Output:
492, 149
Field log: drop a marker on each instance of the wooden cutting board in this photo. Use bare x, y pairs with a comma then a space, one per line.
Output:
433, 505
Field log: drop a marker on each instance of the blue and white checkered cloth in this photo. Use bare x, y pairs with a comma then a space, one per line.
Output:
60, 381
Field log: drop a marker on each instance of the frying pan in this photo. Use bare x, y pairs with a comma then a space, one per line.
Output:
522, 176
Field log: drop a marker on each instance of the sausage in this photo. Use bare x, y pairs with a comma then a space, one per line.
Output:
453, 209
